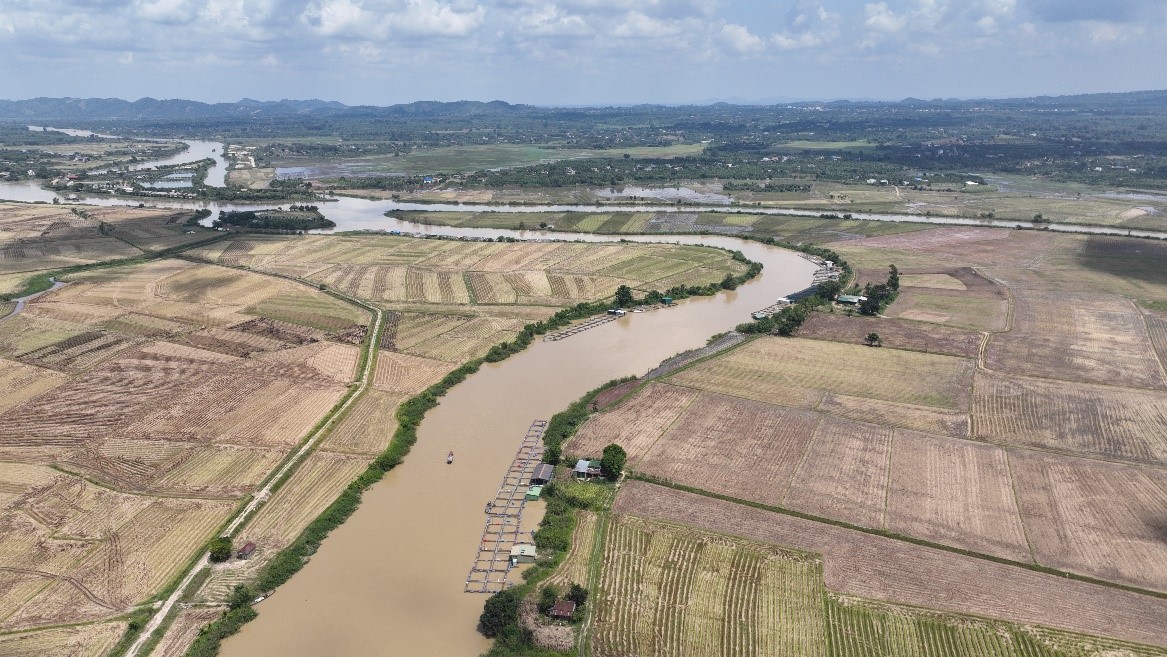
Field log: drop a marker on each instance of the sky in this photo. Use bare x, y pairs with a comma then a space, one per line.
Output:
579, 52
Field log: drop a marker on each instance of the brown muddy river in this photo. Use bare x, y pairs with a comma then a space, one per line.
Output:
390, 580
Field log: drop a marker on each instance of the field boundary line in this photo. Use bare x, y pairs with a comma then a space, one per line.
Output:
806, 452
1017, 504
1147, 334
896, 536
891, 447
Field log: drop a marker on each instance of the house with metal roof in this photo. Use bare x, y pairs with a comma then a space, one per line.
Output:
544, 473
585, 469
522, 553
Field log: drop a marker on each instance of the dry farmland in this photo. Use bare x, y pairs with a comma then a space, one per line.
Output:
877, 568
404, 270
140, 408
450, 301
800, 372
1015, 412
1089, 338
38, 237
893, 333
670, 590
905, 468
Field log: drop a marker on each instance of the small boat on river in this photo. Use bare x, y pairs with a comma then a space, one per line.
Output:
449, 458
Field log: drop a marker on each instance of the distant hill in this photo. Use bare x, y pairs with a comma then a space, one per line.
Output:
151, 109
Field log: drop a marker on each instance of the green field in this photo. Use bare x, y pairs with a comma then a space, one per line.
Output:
493, 156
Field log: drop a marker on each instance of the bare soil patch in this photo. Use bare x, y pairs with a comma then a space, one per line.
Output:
954, 492
1072, 417
1077, 337
733, 446
893, 333
635, 425
1108, 520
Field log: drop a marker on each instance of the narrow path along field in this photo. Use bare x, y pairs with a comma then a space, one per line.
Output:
369, 356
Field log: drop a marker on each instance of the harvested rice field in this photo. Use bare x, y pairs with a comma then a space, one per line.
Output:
876, 568
681, 590
142, 405
81, 641
798, 372
405, 270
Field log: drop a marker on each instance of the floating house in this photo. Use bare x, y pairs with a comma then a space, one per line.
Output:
533, 493
544, 473
522, 553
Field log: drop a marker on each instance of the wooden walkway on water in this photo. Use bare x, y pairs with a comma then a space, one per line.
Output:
579, 328
504, 515
599, 320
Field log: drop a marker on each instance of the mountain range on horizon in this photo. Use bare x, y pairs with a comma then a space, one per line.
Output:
42, 109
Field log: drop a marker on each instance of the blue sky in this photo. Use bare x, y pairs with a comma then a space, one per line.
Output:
578, 52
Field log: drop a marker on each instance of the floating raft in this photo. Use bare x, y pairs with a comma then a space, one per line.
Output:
579, 328
504, 515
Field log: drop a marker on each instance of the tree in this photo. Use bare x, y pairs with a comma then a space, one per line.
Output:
612, 462
623, 296
547, 598
893, 278
241, 596
828, 290
220, 549
869, 306
578, 595
872, 340
728, 283
500, 611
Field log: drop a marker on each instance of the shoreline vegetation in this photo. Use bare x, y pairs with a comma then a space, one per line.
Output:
409, 417
297, 218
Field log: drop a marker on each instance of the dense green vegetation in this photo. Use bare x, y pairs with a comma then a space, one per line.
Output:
1113, 140
297, 218
220, 549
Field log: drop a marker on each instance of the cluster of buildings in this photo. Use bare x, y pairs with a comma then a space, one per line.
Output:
242, 156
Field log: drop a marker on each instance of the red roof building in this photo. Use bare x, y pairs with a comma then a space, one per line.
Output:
563, 609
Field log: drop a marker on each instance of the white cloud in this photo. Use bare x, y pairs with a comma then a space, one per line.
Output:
1103, 32
173, 12
432, 18
548, 20
339, 18
638, 25
881, 17
740, 39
